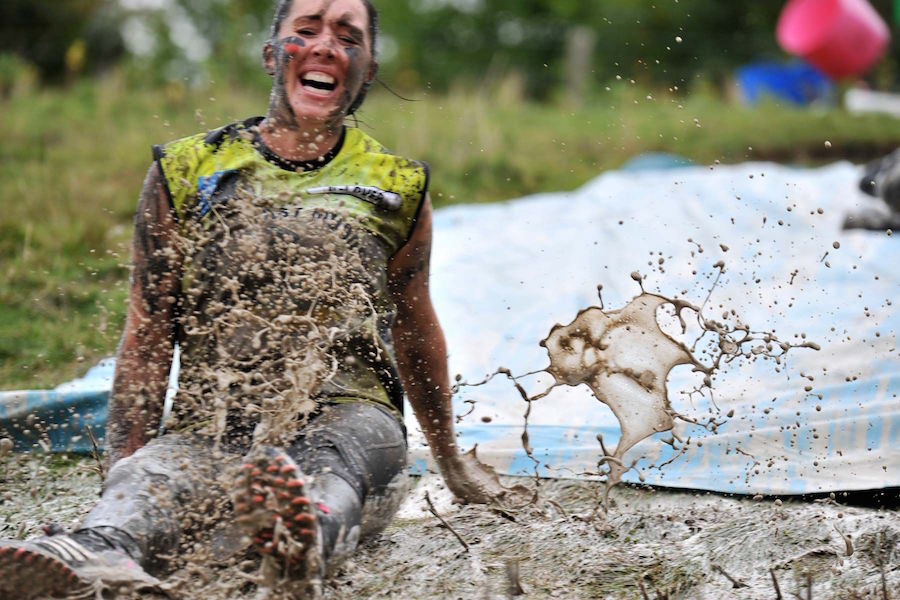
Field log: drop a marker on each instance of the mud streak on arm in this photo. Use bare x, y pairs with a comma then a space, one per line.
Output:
145, 352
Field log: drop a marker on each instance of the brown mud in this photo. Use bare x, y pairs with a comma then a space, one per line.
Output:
277, 298
647, 543
282, 308
673, 544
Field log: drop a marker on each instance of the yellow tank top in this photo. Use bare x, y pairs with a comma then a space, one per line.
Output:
284, 289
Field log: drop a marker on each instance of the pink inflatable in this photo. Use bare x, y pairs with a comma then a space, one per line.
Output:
842, 38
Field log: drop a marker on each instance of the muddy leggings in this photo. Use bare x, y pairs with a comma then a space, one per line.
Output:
178, 484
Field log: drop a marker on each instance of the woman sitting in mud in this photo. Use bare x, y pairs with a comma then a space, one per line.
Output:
288, 255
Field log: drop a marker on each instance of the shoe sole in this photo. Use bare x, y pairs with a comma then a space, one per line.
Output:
26, 572
271, 505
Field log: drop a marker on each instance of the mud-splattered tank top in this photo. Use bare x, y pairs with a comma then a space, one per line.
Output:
284, 291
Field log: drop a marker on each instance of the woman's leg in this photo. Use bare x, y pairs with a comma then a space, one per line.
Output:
355, 454
342, 477
148, 497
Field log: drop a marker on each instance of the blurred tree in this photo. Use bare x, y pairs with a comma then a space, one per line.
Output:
431, 43
46, 32
236, 31
16, 75
672, 42
443, 40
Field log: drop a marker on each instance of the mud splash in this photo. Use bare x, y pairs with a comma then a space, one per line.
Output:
625, 357
279, 311
277, 298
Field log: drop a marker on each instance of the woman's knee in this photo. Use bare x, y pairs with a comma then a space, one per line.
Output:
360, 442
171, 456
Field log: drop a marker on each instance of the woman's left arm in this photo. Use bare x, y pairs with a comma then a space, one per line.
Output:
422, 360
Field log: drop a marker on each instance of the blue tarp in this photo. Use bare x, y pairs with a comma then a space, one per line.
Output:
503, 274
57, 420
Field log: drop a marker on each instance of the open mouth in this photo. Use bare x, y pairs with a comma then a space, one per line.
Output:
318, 82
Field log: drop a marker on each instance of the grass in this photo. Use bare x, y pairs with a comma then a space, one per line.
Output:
72, 161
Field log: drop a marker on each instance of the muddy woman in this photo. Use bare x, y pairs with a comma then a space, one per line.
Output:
288, 257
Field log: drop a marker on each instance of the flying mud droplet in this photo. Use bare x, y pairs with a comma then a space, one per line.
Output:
638, 278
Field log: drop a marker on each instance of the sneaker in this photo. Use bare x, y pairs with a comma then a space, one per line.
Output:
60, 567
273, 509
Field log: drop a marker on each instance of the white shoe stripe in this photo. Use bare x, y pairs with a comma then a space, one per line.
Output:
68, 549
54, 548
78, 548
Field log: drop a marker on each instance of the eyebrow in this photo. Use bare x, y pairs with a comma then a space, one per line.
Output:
344, 21
316, 17
353, 29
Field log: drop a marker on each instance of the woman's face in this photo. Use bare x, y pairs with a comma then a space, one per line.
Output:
320, 60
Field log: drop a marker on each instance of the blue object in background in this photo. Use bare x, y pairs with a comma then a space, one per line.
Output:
656, 161
53, 421
795, 82
56, 420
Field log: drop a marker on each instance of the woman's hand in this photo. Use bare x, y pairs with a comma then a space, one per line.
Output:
472, 481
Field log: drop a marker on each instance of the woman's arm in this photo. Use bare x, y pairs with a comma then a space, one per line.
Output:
422, 360
145, 352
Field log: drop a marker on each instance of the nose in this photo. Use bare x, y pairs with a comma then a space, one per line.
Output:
324, 47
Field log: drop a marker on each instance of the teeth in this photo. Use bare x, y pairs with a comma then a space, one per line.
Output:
318, 77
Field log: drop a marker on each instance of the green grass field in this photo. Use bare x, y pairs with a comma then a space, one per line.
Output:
72, 162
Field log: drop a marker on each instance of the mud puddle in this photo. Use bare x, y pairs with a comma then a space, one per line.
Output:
674, 544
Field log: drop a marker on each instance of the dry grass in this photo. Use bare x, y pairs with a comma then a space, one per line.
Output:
677, 545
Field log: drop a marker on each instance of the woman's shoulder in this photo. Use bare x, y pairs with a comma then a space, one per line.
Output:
186, 161
362, 144
380, 167
209, 141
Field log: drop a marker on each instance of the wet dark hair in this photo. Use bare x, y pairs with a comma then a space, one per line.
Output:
281, 12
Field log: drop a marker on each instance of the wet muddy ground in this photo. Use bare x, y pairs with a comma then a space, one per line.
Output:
671, 544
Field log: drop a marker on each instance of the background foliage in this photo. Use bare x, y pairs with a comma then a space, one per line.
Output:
87, 85
427, 43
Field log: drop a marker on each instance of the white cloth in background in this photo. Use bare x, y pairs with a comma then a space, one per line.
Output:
503, 274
